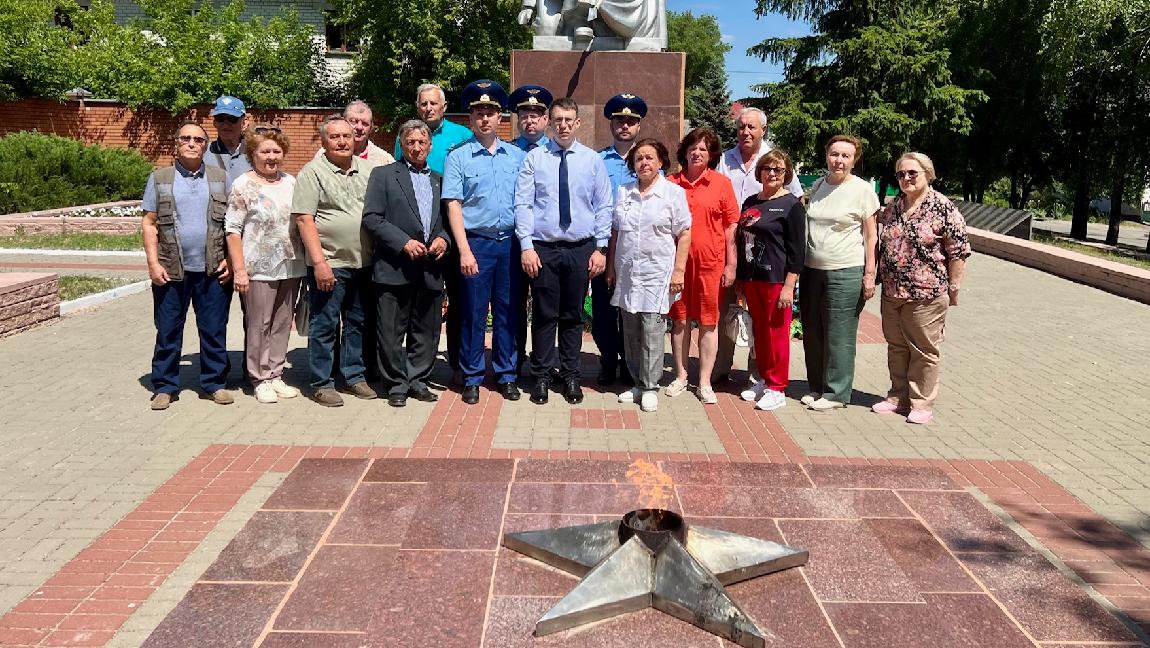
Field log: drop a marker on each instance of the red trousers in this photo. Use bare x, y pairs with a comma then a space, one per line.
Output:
772, 328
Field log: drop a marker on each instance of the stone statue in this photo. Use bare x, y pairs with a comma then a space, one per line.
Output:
639, 25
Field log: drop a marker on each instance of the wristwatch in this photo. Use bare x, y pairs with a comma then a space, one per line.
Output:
603, 250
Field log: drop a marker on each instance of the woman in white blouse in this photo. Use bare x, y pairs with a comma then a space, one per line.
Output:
650, 241
266, 258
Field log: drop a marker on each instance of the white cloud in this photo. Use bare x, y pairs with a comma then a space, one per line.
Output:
728, 38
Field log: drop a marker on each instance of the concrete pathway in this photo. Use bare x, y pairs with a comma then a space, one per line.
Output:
1129, 232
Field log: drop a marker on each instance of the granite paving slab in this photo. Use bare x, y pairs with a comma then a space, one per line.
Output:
409, 556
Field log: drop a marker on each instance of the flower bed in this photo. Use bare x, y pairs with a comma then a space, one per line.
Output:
111, 218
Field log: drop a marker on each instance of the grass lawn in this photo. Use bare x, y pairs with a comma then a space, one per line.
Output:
74, 241
75, 286
1119, 255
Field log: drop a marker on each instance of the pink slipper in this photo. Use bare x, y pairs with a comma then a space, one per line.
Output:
920, 417
888, 407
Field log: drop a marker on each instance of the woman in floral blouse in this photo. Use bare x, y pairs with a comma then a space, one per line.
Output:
266, 258
922, 251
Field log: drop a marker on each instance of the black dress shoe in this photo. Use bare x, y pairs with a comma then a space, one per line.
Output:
509, 390
425, 395
572, 391
396, 400
605, 377
471, 394
540, 391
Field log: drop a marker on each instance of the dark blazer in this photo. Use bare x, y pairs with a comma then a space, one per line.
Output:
391, 215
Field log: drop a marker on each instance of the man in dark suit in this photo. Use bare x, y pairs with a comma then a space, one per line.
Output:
402, 214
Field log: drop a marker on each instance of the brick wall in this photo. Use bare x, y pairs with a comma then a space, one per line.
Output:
149, 132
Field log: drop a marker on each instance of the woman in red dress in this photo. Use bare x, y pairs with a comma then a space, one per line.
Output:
711, 263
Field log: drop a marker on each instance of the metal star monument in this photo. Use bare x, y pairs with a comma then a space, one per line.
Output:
648, 559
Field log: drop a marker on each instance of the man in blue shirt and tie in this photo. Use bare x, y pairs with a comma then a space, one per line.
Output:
625, 111
479, 190
563, 206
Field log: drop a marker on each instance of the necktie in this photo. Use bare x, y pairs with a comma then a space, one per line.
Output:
564, 192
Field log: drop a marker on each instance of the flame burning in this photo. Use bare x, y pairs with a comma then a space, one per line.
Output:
654, 484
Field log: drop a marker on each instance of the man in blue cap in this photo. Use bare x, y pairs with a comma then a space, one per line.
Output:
626, 112
530, 103
479, 191
229, 116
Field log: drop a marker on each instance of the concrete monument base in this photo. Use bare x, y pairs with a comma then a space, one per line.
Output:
592, 78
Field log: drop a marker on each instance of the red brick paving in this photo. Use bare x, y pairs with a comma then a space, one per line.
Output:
96, 592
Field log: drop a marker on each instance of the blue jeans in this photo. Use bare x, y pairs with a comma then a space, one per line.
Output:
170, 310
498, 280
346, 303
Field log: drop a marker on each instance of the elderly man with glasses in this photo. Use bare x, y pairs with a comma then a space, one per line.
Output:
226, 152
183, 226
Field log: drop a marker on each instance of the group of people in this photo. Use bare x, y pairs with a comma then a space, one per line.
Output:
498, 229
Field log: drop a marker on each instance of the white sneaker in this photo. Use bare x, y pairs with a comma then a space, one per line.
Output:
810, 398
284, 390
675, 388
650, 401
754, 392
630, 396
825, 404
771, 400
265, 393
707, 395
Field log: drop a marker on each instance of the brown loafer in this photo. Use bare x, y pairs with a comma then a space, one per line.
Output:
361, 390
222, 397
327, 397
161, 401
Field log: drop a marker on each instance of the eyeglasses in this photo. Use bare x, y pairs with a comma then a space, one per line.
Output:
774, 170
264, 130
192, 138
231, 119
906, 175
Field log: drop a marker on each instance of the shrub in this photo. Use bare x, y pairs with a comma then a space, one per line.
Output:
45, 172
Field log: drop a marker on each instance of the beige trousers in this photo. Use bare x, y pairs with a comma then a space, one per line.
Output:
269, 306
914, 331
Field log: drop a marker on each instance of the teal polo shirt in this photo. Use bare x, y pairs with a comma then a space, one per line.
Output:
443, 139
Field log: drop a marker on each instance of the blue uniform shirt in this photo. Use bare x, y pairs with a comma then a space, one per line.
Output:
537, 197
485, 185
443, 139
190, 198
526, 146
616, 168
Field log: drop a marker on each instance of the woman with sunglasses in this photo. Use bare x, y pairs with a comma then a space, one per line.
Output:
839, 274
771, 246
267, 259
922, 251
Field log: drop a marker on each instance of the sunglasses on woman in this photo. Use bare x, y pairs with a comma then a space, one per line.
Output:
264, 130
906, 175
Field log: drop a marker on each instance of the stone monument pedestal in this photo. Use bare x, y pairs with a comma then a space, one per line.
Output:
591, 78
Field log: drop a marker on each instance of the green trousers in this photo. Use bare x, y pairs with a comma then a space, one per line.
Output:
830, 302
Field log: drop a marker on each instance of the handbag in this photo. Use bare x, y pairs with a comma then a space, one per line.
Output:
302, 309
737, 324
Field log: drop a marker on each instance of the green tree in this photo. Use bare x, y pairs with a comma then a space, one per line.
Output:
408, 42
175, 57
1099, 53
707, 99
877, 69
35, 54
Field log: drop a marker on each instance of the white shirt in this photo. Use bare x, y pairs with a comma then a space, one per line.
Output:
645, 249
743, 176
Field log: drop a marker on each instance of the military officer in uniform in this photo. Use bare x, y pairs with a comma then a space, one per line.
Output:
626, 112
479, 190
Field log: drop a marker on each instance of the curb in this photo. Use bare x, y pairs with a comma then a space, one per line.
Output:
71, 253
96, 299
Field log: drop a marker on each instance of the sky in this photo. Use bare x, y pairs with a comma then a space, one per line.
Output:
741, 29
